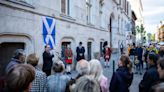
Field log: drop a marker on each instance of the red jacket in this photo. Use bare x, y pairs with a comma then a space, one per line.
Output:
108, 53
68, 53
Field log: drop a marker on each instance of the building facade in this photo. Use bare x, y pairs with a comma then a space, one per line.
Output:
90, 21
160, 32
137, 8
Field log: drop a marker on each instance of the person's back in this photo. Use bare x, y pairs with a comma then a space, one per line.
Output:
18, 58
19, 79
122, 78
96, 71
86, 84
40, 82
11, 64
57, 82
131, 52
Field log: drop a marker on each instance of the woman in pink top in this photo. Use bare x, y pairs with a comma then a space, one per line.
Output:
97, 72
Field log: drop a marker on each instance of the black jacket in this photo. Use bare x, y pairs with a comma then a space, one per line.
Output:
80, 51
149, 79
132, 52
121, 80
47, 61
139, 52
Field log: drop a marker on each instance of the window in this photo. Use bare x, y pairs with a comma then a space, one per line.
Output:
121, 26
128, 9
23, 2
100, 12
120, 2
65, 7
88, 6
125, 6
118, 23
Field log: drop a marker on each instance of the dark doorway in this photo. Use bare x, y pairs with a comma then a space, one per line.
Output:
110, 30
6, 52
89, 49
101, 48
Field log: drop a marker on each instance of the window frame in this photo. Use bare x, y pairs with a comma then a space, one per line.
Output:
67, 7
22, 3
88, 11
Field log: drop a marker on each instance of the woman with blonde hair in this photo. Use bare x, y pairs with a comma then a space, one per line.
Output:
97, 72
122, 78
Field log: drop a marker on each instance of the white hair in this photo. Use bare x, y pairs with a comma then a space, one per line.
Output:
86, 84
96, 68
83, 67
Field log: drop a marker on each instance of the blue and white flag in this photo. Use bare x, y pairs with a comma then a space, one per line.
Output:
49, 31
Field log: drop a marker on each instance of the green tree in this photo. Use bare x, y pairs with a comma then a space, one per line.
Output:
153, 37
141, 31
149, 36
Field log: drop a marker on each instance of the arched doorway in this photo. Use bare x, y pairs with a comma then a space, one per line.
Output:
111, 21
7, 49
65, 41
9, 43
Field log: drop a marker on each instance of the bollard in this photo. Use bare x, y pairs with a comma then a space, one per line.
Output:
113, 66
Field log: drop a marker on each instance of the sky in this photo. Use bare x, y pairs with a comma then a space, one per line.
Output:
153, 13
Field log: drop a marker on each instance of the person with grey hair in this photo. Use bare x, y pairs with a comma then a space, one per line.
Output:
18, 58
97, 72
86, 84
82, 68
58, 81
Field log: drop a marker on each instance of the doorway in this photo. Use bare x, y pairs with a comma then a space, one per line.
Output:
101, 48
6, 53
89, 50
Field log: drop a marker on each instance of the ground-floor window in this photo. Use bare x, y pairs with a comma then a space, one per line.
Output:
89, 50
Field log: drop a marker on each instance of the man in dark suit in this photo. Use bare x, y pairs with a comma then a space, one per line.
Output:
47, 60
80, 50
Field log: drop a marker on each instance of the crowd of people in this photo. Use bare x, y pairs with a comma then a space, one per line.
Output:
152, 56
24, 75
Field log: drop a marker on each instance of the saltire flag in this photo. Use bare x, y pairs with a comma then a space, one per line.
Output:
49, 31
